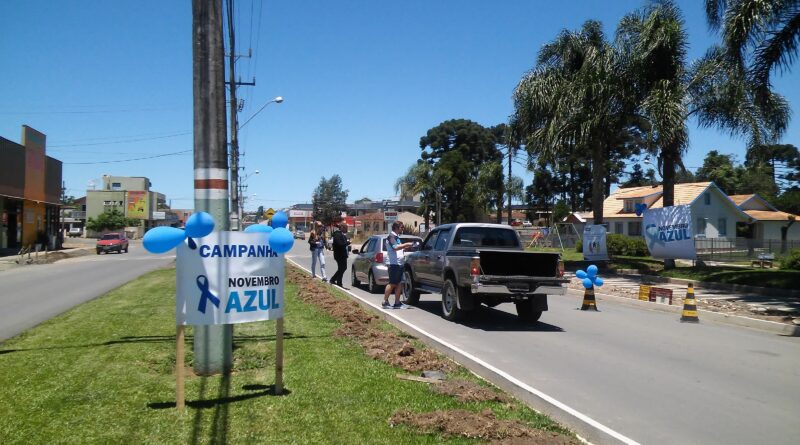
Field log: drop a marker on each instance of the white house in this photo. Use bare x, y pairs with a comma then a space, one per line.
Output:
714, 214
766, 219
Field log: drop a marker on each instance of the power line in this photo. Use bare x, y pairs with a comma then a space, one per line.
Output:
124, 110
129, 160
123, 141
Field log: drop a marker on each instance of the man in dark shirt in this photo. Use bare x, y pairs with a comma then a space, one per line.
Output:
340, 247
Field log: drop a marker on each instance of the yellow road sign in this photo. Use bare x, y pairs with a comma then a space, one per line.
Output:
269, 212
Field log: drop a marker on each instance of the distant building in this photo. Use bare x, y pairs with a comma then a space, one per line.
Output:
30, 192
132, 196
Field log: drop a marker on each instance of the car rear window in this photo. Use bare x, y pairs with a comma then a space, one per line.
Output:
111, 236
485, 237
403, 239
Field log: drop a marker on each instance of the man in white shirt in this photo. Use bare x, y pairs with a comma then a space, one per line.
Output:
395, 252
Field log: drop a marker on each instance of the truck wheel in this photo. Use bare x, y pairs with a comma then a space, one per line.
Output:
526, 311
353, 280
98, 251
450, 309
410, 295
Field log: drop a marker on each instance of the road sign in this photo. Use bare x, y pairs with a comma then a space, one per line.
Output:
390, 215
269, 212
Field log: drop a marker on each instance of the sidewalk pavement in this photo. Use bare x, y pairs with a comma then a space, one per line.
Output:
781, 309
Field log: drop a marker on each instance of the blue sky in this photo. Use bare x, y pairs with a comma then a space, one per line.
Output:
362, 82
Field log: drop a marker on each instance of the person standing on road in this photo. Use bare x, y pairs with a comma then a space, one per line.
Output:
395, 251
316, 241
340, 246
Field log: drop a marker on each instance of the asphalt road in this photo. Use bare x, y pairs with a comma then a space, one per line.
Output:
640, 374
32, 294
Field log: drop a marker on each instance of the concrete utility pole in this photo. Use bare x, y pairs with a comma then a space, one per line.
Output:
212, 344
236, 222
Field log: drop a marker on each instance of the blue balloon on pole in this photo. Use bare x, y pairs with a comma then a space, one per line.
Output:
162, 239
279, 219
598, 281
258, 228
591, 271
587, 283
580, 274
281, 240
199, 225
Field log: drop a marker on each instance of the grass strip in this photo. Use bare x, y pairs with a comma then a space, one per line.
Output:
102, 373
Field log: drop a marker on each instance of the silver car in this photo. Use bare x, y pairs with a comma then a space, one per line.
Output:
369, 266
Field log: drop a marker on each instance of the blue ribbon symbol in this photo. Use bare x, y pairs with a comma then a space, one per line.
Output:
202, 284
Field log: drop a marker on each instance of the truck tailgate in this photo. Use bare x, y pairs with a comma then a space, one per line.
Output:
509, 263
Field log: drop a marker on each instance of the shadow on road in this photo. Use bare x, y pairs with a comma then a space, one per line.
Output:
490, 319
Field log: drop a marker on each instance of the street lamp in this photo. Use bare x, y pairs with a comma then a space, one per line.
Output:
277, 100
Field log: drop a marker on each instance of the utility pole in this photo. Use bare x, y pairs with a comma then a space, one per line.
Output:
212, 343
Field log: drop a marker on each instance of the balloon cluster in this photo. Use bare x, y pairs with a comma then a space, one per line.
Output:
589, 277
200, 224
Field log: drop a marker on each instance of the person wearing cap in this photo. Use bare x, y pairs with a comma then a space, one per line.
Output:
394, 259
316, 242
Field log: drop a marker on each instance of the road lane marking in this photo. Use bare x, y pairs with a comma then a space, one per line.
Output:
564, 407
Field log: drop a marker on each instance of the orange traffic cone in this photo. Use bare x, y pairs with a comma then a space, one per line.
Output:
689, 314
589, 303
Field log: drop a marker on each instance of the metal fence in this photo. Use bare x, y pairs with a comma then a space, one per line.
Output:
741, 249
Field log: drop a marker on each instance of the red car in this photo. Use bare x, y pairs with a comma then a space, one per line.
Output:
112, 242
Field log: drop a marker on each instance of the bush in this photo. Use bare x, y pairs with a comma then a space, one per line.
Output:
792, 260
621, 245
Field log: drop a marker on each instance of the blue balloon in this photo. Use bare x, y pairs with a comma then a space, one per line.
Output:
199, 225
281, 240
258, 228
587, 283
580, 274
162, 239
279, 219
598, 281
591, 271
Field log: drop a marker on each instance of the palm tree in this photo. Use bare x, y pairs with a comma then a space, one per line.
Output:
575, 99
419, 180
763, 35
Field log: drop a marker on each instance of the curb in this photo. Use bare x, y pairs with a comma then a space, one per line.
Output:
734, 320
768, 291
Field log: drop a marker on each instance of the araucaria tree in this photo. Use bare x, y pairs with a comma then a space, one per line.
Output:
329, 200
456, 150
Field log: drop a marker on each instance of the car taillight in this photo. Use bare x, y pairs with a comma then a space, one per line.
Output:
379, 257
475, 267
560, 268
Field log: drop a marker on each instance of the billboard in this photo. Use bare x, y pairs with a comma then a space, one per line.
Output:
34, 143
668, 232
594, 243
138, 207
229, 277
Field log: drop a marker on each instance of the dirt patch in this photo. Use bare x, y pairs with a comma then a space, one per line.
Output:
483, 425
467, 391
363, 327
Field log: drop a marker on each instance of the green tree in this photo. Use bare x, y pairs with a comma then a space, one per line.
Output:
781, 160
419, 180
720, 169
329, 200
110, 220
639, 178
763, 35
456, 149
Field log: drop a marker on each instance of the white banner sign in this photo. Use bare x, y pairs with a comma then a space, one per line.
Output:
159, 215
229, 277
390, 215
594, 243
668, 232
300, 213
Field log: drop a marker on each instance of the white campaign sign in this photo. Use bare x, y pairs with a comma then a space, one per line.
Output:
668, 232
594, 243
229, 277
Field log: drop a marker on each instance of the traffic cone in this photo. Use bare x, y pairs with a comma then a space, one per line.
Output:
689, 314
588, 300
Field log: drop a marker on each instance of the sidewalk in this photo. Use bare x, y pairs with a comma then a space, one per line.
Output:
781, 309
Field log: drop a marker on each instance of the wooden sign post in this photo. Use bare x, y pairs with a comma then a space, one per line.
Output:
279, 356
179, 365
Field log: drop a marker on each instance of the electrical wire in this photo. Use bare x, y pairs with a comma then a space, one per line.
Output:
124, 141
130, 160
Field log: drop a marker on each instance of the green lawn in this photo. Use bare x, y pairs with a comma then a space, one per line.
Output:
102, 373
566, 255
780, 279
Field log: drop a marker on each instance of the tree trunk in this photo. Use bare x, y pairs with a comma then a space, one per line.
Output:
573, 199
598, 173
668, 186
510, 158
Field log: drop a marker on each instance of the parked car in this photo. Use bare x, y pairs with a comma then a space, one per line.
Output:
471, 264
369, 265
527, 224
299, 234
75, 231
112, 242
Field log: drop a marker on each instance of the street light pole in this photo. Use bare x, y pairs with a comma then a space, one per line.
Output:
277, 100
